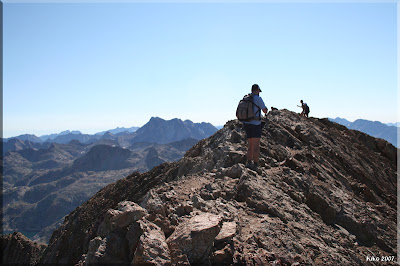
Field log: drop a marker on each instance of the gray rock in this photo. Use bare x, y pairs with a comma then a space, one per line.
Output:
152, 248
228, 231
97, 249
128, 212
153, 204
111, 249
195, 237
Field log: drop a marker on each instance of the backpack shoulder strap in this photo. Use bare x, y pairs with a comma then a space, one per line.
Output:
259, 108
252, 98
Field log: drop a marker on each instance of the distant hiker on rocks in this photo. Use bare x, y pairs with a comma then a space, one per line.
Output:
249, 112
306, 109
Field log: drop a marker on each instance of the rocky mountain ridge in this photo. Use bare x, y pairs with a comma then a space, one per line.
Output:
323, 195
390, 133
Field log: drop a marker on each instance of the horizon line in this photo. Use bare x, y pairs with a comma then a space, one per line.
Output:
138, 126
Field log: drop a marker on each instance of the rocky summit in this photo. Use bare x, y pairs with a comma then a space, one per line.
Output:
322, 195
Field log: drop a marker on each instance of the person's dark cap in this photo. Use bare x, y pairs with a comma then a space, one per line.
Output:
255, 87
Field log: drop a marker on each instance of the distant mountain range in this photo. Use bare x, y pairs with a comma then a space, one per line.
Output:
45, 180
66, 136
373, 128
393, 124
53, 136
119, 130
154, 132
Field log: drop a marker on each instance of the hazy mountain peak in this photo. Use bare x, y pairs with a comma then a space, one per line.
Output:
28, 137
162, 131
75, 132
156, 119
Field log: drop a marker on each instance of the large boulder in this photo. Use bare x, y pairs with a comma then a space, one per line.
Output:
152, 249
195, 237
127, 213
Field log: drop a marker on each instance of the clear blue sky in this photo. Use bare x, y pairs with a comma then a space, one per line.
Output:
98, 66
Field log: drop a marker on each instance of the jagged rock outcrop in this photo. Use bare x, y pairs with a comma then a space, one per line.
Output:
323, 195
17, 249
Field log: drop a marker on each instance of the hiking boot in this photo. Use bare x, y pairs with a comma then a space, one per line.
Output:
249, 165
252, 166
257, 169
255, 166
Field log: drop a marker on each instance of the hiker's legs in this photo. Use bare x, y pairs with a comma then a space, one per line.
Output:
250, 149
256, 150
253, 138
253, 150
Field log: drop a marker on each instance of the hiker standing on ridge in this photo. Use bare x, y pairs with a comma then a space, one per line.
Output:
305, 107
253, 129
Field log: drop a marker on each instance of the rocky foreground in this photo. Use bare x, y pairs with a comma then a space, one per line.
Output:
323, 195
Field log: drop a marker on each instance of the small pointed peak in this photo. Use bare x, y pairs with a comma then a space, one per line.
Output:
155, 119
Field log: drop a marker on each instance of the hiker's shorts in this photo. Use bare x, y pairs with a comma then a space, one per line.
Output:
252, 131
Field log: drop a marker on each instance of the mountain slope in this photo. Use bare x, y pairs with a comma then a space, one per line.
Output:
373, 128
42, 186
377, 130
323, 195
103, 158
119, 130
15, 144
19, 165
28, 137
